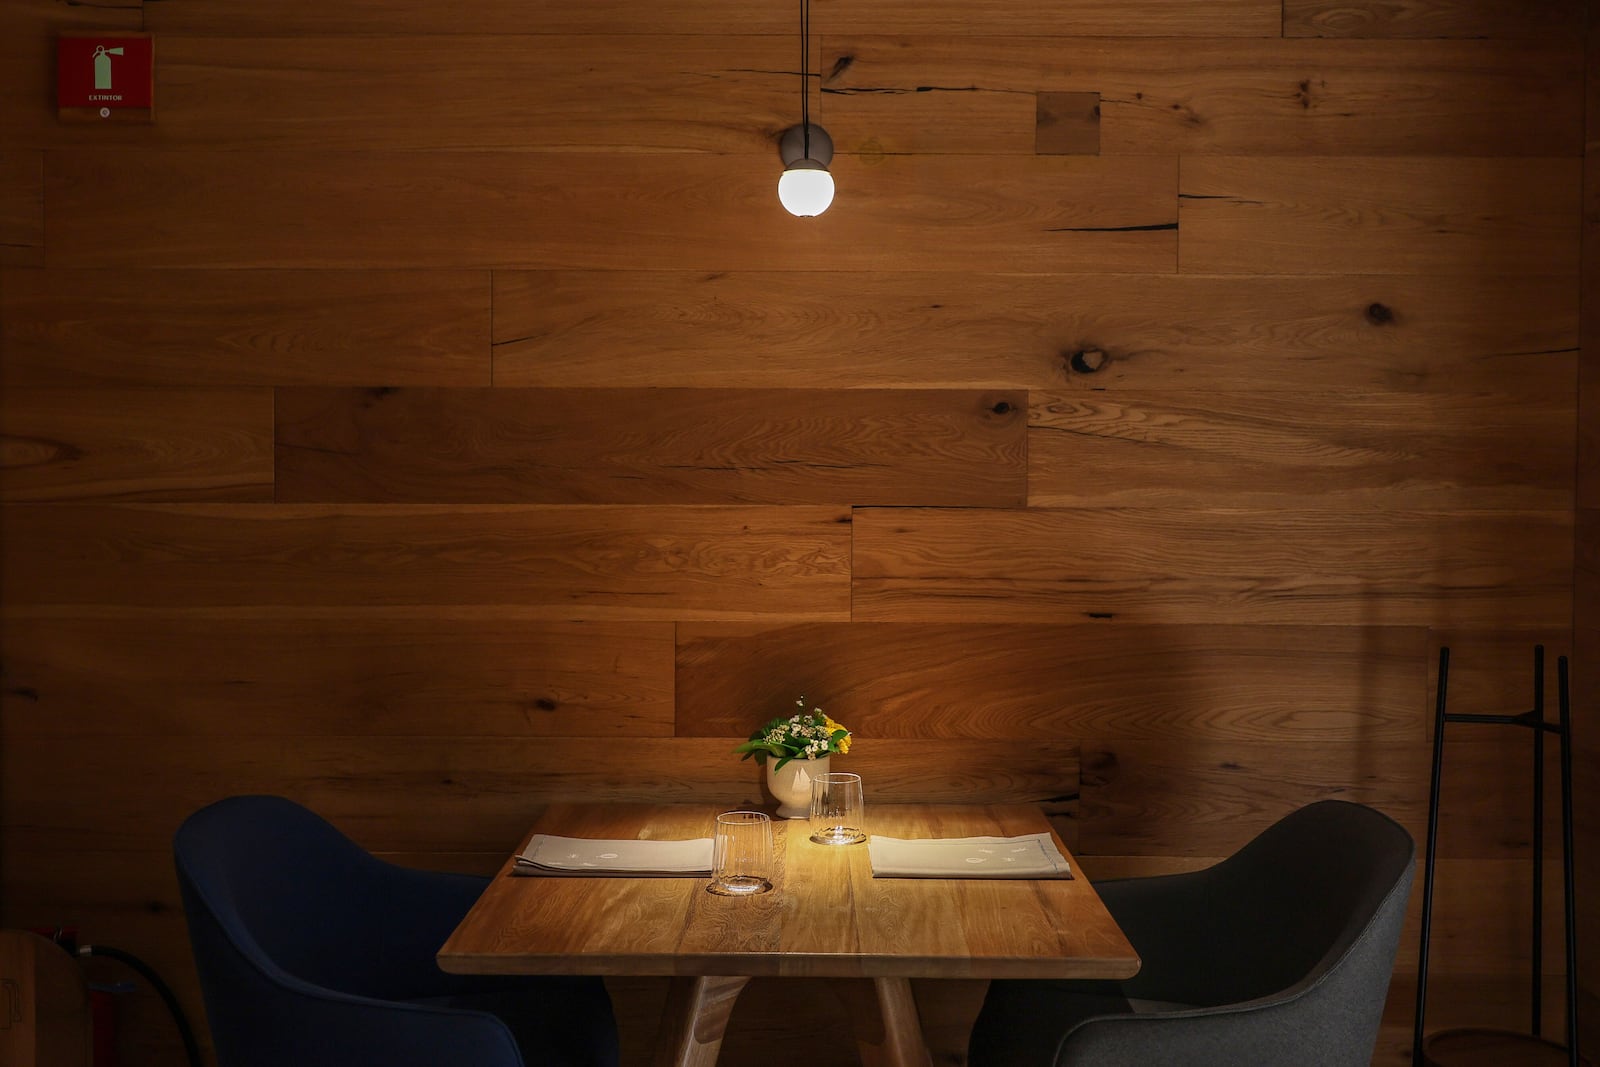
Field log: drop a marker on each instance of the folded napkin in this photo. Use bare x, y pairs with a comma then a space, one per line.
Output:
590, 857
1029, 856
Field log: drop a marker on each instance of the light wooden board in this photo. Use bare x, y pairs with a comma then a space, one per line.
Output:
1099, 18
1359, 450
960, 93
1432, 18
132, 444
249, 327
1296, 336
682, 210
1385, 216
299, 18
1327, 567
826, 916
915, 680
1148, 18
530, 562
301, 677
644, 446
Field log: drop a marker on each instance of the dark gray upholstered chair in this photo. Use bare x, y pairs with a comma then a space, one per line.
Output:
1280, 954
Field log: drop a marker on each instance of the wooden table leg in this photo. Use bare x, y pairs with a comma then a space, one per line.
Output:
695, 1018
887, 1028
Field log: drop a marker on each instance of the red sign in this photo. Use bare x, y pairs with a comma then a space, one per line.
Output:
105, 72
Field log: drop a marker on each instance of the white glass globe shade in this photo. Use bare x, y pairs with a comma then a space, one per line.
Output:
805, 188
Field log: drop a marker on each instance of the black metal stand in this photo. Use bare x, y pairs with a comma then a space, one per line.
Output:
1534, 720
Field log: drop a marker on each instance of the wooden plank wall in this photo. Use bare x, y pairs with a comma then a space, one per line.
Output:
1586, 589
434, 413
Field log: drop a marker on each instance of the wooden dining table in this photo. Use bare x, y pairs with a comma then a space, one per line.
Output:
826, 917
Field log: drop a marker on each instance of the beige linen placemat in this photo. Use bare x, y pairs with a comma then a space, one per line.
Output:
1028, 856
590, 857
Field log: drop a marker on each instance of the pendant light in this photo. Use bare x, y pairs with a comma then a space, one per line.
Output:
805, 187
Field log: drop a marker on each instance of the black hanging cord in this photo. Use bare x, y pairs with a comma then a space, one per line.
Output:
805, 75
189, 1044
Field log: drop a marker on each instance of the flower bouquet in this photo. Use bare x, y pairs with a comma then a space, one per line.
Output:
803, 735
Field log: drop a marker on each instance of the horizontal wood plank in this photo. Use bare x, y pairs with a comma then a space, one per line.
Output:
1385, 216
421, 18
642, 446
464, 794
960, 93
21, 209
146, 444
179, 327
1561, 19
1147, 18
670, 92
532, 209
1067, 124
1330, 568
1261, 334
1096, 18
1043, 682
1242, 449
534, 562
278, 677
1206, 799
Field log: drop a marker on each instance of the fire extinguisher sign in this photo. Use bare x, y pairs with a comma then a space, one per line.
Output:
105, 77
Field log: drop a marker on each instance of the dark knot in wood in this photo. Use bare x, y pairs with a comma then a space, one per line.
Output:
1379, 314
1087, 360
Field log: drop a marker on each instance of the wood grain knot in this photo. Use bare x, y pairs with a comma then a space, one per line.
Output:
1087, 360
1002, 408
1379, 314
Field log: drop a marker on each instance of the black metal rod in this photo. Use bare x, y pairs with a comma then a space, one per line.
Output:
1536, 1005
805, 76
1564, 706
1433, 839
1524, 719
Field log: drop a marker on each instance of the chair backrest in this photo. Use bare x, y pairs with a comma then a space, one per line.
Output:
1293, 940
1310, 887
290, 922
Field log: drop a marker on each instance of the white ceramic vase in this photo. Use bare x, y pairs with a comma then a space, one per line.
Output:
790, 785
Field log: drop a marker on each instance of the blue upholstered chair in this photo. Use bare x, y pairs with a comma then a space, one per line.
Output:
1279, 955
313, 952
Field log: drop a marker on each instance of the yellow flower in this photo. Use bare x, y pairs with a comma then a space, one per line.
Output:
844, 742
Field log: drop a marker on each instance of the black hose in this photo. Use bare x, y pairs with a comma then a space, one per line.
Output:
189, 1044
